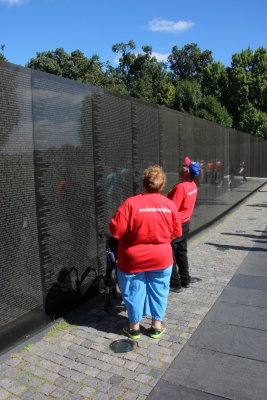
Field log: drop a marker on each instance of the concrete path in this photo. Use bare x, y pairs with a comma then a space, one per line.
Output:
216, 340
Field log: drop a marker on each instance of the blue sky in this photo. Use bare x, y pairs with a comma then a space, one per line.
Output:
225, 27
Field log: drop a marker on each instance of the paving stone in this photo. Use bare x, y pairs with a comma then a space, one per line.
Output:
3, 394
130, 384
17, 389
116, 391
29, 395
143, 378
42, 397
77, 377
105, 376
143, 389
86, 391
92, 371
6, 383
11, 372
116, 380
129, 395
103, 387
72, 397
59, 393
46, 388
101, 396
73, 387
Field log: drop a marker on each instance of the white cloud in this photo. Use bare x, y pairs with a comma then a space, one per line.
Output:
116, 59
11, 2
160, 56
162, 25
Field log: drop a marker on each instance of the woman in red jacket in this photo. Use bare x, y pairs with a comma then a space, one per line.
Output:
145, 224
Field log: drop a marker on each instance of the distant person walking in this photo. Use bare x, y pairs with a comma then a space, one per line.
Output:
145, 225
184, 196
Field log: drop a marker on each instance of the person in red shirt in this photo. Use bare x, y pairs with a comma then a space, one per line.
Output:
184, 196
145, 224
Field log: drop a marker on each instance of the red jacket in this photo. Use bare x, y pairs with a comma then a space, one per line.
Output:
184, 196
145, 225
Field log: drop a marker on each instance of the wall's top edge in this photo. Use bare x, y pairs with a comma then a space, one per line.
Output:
15, 67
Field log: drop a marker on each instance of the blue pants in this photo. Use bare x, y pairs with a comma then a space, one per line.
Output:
145, 293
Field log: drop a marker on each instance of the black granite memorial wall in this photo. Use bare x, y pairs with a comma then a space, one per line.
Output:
21, 289
70, 154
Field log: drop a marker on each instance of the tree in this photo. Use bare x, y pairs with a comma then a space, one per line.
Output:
212, 110
143, 75
2, 57
188, 96
253, 120
214, 80
258, 94
246, 94
114, 81
166, 94
189, 62
74, 66
126, 59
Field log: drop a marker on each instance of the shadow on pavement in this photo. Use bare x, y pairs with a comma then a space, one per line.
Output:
93, 314
244, 235
225, 247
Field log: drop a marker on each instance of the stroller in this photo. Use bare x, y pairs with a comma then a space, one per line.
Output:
111, 280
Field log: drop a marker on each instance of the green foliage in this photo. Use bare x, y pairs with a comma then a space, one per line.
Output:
74, 66
166, 94
246, 94
188, 96
212, 110
114, 81
253, 120
214, 79
189, 62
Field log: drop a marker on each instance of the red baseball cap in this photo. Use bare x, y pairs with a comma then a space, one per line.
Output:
187, 161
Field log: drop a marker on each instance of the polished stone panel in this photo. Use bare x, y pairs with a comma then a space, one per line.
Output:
20, 275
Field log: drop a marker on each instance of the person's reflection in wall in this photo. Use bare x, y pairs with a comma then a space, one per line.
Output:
114, 188
242, 171
75, 203
210, 172
203, 172
126, 182
218, 174
230, 176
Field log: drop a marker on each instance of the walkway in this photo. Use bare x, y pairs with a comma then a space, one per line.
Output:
225, 358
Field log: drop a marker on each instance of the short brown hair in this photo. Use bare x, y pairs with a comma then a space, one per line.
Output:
154, 179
